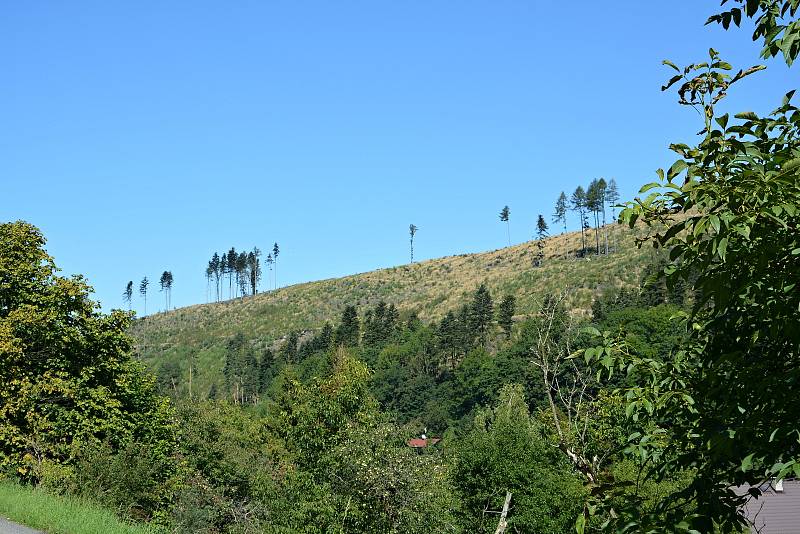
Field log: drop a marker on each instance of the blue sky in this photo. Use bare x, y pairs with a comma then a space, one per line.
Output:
144, 137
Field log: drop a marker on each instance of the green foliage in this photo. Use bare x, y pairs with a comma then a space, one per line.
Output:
505, 313
68, 379
719, 406
349, 332
773, 25
384, 486
506, 450
481, 314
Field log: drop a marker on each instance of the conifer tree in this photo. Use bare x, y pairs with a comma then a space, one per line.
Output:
275, 252
593, 202
170, 280
209, 277
162, 282
560, 214
232, 257
289, 349
578, 205
269, 265
254, 269
448, 339
481, 314
348, 333
223, 270
505, 313
242, 279
325, 336
215, 267
143, 291
412, 230
602, 188
612, 198
504, 215
541, 235
128, 294
265, 370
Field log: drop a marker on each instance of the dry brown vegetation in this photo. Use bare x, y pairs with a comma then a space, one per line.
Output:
429, 288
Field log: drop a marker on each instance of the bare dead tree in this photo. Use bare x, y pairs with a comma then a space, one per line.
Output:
503, 523
568, 387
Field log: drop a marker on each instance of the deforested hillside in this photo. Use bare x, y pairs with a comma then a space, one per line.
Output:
429, 288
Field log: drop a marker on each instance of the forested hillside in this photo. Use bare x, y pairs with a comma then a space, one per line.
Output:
429, 289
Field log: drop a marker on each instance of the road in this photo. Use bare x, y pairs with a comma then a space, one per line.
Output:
7, 527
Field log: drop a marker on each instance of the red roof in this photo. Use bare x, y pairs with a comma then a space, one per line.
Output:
420, 442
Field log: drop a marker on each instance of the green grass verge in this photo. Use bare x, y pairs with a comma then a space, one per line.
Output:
55, 514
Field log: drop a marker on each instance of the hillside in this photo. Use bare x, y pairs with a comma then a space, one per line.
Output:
429, 288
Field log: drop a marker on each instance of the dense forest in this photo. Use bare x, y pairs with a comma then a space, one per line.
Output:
644, 415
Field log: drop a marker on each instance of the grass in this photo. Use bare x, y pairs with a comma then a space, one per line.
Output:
55, 514
429, 288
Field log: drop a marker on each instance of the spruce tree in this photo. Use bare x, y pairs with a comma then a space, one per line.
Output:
481, 314
254, 269
143, 291
348, 333
128, 294
505, 313
541, 235
412, 230
602, 188
170, 280
595, 203
289, 349
215, 266
560, 214
447, 338
612, 198
223, 270
270, 261
275, 251
504, 215
162, 282
242, 278
232, 257
265, 370
578, 205
325, 336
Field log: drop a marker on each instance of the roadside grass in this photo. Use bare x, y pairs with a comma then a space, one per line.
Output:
54, 514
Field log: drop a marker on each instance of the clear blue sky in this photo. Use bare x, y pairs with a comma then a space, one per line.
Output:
146, 136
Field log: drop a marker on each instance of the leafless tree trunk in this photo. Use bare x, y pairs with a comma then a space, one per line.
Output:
503, 524
566, 385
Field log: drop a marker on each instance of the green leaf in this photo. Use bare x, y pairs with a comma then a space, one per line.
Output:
676, 168
747, 115
671, 82
722, 248
580, 524
747, 463
671, 64
714, 220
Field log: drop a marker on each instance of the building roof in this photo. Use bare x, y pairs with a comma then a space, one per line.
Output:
423, 442
777, 510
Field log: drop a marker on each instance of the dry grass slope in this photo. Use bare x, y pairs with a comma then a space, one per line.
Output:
430, 288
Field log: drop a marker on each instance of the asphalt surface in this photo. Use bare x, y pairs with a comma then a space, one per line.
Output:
7, 527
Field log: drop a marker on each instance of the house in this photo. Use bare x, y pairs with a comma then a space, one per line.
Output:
422, 442
777, 510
